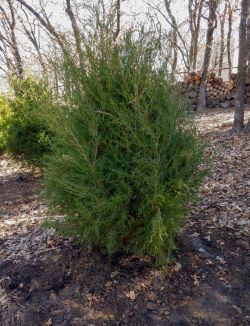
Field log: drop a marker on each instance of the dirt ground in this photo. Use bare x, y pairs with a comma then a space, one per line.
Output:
52, 281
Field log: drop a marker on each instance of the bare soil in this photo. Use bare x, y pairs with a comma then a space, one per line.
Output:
49, 280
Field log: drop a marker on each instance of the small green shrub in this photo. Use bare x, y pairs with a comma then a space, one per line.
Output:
125, 158
5, 118
28, 135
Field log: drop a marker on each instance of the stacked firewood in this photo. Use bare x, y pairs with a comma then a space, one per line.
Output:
193, 78
232, 85
190, 88
216, 86
218, 92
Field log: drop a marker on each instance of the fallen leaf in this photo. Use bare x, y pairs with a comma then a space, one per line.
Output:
131, 295
49, 322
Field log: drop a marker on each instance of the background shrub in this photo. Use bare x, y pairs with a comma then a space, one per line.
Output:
125, 158
5, 117
28, 135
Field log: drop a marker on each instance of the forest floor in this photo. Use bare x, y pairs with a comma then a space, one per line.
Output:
49, 280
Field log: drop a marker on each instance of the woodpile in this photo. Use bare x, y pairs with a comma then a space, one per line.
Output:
218, 92
190, 88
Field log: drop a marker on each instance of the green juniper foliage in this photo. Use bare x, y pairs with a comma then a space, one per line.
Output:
28, 134
125, 157
5, 118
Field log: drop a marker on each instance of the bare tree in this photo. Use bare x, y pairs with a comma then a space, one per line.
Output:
7, 65
229, 37
176, 36
45, 22
222, 35
195, 9
173, 33
118, 19
9, 39
238, 124
232, 6
76, 30
32, 30
212, 23
215, 57
248, 50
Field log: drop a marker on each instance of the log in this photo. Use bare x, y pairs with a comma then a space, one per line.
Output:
217, 91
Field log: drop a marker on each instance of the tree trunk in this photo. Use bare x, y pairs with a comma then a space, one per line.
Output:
222, 39
242, 61
195, 49
76, 31
248, 50
118, 19
247, 128
174, 35
175, 54
195, 14
15, 48
229, 37
192, 29
207, 56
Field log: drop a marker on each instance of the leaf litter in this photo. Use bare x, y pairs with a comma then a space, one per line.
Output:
46, 279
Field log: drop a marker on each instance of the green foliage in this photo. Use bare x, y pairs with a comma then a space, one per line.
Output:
28, 135
125, 158
5, 118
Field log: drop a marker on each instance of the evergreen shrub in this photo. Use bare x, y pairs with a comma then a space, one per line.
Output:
5, 118
125, 160
29, 136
